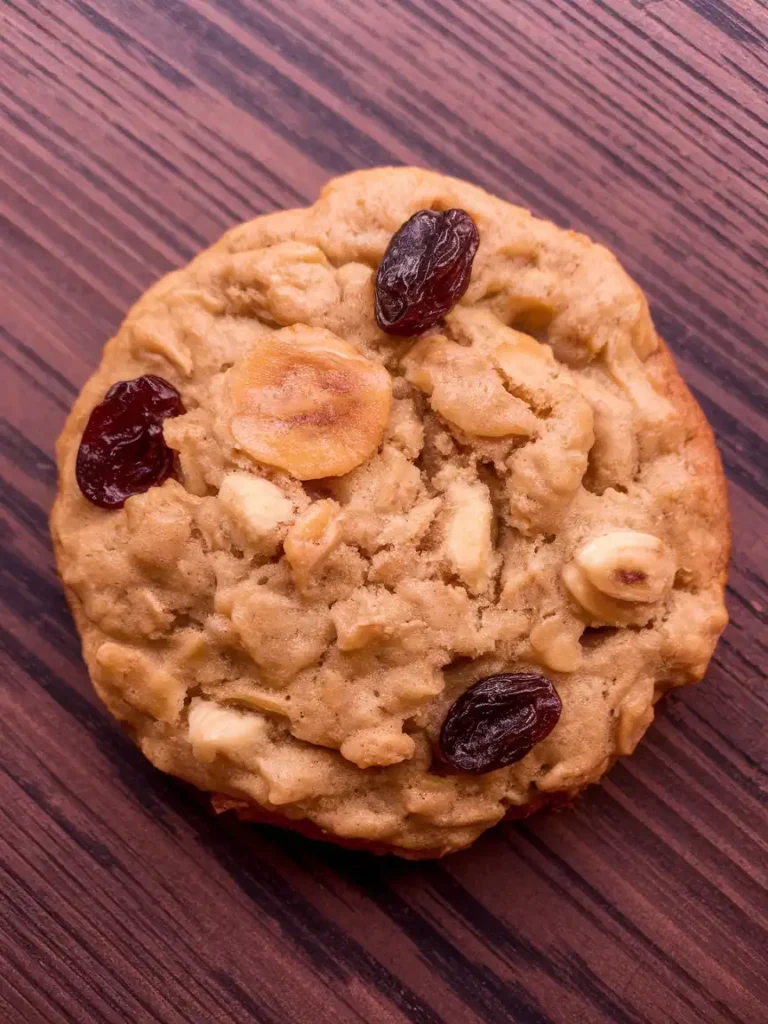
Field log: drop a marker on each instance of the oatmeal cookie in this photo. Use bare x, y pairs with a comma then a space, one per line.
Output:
390, 516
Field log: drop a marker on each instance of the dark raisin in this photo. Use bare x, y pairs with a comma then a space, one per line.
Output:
498, 721
425, 270
122, 451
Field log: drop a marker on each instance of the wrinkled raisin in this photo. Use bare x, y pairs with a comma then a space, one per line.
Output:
122, 451
498, 721
425, 270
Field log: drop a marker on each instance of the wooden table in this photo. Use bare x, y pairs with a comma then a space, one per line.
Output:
135, 131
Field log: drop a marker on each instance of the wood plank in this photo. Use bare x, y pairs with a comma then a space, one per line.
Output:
133, 133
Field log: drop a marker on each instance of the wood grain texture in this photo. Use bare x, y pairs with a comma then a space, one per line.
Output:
134, 133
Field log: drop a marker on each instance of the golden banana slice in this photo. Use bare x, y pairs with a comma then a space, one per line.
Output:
307, 402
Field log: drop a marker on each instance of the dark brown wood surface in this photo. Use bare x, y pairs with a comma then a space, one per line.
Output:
134, 133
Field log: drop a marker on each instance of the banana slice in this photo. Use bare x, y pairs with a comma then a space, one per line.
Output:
307, 402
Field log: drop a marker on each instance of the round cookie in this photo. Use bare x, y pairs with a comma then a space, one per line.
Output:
358, 527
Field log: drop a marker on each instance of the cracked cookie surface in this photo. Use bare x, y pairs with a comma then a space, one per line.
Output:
360, 526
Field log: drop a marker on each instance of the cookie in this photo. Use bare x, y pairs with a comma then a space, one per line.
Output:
391, 516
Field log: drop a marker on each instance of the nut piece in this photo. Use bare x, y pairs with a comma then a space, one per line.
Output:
468, 540
616, 576
257, 506
555, 644
309, 403
635, 715
627, 565
312, 539
466, 390
215, 730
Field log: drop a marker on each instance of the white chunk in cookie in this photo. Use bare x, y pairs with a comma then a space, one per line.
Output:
259, 508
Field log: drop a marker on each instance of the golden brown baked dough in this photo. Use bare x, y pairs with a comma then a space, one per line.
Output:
488, 498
